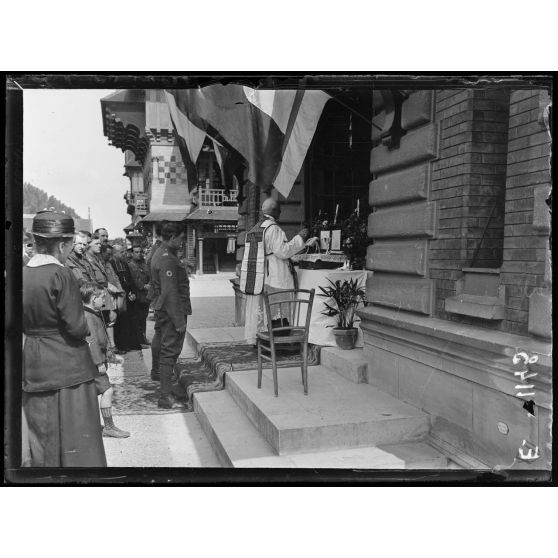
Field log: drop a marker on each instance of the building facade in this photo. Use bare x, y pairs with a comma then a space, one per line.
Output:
455, 182
138, 122
459, 275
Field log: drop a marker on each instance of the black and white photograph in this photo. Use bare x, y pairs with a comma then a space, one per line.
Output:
312, 272
288, 266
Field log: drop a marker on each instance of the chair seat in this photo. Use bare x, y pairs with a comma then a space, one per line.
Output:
282, 335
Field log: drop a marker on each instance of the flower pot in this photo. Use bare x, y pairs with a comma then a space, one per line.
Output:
345, 337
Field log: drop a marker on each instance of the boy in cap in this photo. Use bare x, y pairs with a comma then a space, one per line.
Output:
93, 297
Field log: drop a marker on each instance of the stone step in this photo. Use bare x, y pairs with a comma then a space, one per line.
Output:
233, 437
336, 413
352, 365
214, 336
238, 443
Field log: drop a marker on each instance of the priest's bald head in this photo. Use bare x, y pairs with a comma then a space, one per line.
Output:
271, 207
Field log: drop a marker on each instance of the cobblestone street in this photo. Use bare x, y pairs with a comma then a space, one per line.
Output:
173, 439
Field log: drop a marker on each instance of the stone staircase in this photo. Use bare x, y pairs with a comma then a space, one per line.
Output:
342, 423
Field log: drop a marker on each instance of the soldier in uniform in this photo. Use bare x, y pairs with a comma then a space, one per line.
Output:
171, 303
77, 260
59, 394
100, 277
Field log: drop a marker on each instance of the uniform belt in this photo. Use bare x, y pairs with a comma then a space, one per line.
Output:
41, 332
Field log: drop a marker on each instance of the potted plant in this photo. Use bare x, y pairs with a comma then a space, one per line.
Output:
344, 299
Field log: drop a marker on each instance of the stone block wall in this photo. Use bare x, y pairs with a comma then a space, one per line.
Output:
468, 181
430, 211
527, 221
403, 218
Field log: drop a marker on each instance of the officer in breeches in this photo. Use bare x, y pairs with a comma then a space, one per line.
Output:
171, 305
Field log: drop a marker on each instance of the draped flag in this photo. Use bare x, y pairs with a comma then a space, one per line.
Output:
190, 141
270, 129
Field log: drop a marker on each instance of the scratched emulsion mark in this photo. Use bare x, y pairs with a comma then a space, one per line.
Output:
528, 451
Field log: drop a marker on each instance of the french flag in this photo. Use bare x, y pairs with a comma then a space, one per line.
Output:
268, 131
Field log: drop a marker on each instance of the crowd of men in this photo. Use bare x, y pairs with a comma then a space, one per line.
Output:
123, 276
85, 302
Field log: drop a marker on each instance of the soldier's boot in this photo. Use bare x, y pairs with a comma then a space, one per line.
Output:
110, 430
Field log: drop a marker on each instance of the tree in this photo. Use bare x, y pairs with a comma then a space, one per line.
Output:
35, 199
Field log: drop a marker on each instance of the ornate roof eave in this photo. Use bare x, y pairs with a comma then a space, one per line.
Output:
127, 137
124, 122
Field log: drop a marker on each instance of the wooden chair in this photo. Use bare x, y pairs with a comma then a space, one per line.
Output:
296, 332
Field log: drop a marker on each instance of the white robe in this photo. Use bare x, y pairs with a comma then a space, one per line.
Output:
278, 275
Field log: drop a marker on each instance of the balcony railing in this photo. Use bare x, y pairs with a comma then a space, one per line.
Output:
140, 200
215, 197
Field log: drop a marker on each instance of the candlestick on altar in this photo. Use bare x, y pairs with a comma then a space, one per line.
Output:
336, 210
358, 206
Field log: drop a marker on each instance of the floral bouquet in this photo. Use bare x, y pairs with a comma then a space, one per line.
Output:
321, 223
355, 239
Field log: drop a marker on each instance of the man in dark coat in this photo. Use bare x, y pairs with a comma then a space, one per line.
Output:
140, 305
125, 336
59, 394
171, 303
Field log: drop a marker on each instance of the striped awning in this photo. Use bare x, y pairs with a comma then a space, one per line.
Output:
156, 216
214, 214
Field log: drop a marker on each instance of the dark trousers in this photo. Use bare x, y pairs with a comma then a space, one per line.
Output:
126, 329
165, 349
142, 313
137, 317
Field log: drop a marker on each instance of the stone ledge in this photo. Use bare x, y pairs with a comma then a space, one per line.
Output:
485, 307
352, 365
454, 454
215, 336
467, 352
499, 342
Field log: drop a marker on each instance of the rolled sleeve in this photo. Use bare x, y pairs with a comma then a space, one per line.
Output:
277, 244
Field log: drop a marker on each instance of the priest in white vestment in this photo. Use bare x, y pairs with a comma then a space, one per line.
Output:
278, 270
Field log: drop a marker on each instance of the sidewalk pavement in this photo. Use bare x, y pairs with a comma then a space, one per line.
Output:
212, 288
170, 440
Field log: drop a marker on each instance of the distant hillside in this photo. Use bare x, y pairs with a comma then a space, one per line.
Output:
35, 199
